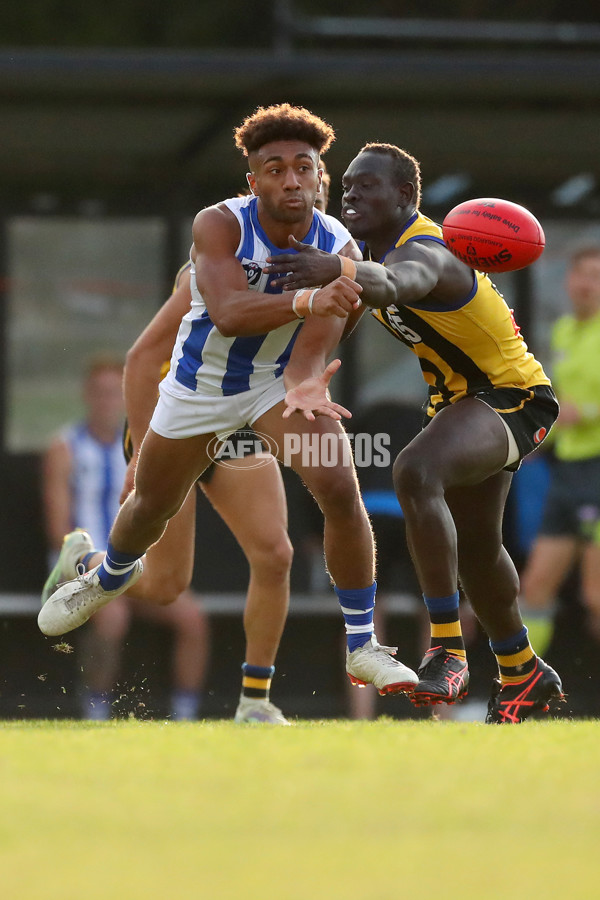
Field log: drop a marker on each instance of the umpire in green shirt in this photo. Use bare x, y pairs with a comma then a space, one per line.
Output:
570, 529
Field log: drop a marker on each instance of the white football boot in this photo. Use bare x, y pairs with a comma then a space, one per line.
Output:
263, 711
76, 601
374, 664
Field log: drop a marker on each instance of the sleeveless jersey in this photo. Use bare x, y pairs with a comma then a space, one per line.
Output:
97, 474
470, 346
205, 361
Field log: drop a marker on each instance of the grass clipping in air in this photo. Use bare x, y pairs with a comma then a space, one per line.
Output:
319, 811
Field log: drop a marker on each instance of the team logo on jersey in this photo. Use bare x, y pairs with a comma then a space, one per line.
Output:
540, 435
253, 272
225, 450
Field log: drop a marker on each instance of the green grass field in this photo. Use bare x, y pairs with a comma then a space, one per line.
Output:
327, 810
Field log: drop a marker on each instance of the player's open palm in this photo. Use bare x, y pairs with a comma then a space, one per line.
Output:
311, 397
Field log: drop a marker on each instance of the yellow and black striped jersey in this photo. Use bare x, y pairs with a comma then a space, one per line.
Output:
470, 346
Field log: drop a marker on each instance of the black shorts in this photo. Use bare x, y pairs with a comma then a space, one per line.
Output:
241, 443
529, 413
572, 507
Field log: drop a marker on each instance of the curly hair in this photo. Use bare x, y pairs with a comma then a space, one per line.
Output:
405, 167
283, 122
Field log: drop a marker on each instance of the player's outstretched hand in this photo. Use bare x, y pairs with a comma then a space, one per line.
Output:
311, 397
305, 268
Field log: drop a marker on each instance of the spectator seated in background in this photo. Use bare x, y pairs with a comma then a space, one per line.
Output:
83, 472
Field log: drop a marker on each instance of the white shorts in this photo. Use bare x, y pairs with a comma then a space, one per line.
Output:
181, 413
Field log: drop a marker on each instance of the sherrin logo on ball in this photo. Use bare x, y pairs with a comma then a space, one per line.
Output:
493, 235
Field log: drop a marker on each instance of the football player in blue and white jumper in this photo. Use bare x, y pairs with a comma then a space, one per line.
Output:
243, 344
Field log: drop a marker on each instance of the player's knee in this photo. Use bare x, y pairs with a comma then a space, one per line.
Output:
284, 553
336, 492
273, 558
165, 589
411, 476
169, 593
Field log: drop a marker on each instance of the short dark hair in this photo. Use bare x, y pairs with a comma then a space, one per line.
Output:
283, 122
406, 167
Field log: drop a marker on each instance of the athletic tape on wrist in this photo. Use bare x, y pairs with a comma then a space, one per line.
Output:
348, 267
300, 303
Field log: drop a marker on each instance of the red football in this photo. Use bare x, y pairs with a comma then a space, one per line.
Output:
493, 235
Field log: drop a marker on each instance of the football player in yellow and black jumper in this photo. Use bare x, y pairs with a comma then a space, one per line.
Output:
490, 404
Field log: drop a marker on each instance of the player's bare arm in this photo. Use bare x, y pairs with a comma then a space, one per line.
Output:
412, 272
307, 375
145, 359
57, 467
380, 286
302, 269
222, 282
313, 348
143, 368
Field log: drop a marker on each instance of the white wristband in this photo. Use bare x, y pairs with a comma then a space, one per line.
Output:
295, 299
310, 300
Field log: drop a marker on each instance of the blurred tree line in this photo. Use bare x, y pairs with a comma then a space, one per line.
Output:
233, 23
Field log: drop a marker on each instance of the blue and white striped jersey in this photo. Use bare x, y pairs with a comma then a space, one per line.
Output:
205, 361
97, 475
